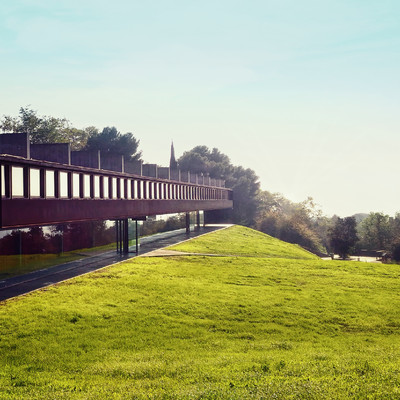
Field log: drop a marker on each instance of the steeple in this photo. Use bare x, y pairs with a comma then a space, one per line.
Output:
173, 164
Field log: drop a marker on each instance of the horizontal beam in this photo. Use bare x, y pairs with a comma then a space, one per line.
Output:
18, 213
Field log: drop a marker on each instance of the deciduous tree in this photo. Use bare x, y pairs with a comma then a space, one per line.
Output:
45, 129
343, 236
376, 231
111, 141
244, 182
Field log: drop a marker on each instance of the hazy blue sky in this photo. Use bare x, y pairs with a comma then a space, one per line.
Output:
306, 93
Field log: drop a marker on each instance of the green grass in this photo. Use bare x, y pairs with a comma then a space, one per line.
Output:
238, 240
208, 328
14, 265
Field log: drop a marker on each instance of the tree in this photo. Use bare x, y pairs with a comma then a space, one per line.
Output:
245, 186
45, 129
376, 231
110, 141
343, 236
244, 182
203, 160
301, 223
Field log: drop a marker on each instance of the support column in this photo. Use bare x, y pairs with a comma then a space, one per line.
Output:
198, 219
117, 234
137, 237
125, 236
187, 222
122, 235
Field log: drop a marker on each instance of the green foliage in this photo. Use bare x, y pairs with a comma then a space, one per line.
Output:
111, 141
239, 240
244, 182
207, 328
396, 253
171, 223
343, 236
45, 129
14, 265
376, 231
203, 160
301, 223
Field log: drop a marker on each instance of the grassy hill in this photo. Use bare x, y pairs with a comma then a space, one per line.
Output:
238, 240
203, 327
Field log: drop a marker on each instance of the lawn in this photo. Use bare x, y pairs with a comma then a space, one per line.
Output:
238, 240
13, 265
199, 327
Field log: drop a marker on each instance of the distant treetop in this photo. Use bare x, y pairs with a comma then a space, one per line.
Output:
45, 129
110, 141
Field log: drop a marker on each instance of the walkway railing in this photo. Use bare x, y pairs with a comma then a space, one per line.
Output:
37, 192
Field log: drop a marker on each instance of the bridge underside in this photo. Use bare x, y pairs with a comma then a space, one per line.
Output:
32, 212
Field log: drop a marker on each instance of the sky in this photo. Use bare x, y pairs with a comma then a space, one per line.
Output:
304, 93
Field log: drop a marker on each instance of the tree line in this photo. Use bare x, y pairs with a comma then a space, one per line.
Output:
47, 129
302, 223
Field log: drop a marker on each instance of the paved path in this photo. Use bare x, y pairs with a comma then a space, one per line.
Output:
23, 284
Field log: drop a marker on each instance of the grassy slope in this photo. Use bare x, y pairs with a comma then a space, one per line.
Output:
14, 265
206, 327
238, 240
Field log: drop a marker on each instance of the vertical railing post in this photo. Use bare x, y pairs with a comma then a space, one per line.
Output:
26, 183
42, 183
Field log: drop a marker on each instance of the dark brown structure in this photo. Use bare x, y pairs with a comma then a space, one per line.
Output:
61, 186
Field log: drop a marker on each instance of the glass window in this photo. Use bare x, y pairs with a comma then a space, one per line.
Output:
63, 184
96, 186
3, 182
122, 188
105, 187
114, 188
50, 192
134, 189
140, 193
86, 186
17, 174
140, 189
129, 189
75, 185
34, 175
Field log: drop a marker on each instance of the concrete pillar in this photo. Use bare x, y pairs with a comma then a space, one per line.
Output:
125, 236
187, 222
198, 219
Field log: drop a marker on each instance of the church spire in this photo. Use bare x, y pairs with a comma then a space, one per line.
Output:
173, 164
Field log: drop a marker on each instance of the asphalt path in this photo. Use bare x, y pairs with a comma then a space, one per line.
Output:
23, 284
